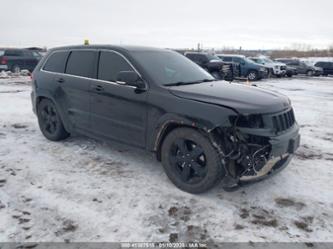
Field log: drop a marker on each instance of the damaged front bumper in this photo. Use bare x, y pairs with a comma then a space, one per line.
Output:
255, 165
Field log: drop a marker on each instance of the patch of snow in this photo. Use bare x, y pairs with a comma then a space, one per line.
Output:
86, 190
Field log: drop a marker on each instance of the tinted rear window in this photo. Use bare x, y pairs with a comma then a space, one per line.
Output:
110, 64
56, 62
82, 63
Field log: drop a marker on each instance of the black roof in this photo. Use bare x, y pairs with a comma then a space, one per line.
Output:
113, 47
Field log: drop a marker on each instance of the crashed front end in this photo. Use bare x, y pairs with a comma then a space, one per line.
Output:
257, 146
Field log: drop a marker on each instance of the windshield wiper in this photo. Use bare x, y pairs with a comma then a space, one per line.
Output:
180, 83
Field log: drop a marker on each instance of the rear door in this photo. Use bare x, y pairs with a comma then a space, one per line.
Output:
80, 70
118, 111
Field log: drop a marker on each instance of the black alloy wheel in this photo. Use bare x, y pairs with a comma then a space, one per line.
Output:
50, 122
190, 160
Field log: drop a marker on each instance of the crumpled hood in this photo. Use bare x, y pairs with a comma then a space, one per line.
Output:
242, 98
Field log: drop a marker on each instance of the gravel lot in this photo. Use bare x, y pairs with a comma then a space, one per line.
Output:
86, 190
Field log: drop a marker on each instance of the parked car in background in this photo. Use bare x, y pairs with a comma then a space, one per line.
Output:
248, 68
202, 130
214, 65
302, 67
291, 71
277, 69
17, 59
327, 67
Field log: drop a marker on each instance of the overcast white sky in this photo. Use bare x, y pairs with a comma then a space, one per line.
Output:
256, 24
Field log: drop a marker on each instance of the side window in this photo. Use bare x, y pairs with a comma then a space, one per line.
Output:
110, 64
203, 58
194, 57
13, 52
236, 59
82, 63
227, 59
27, 53
56, 62
190, 56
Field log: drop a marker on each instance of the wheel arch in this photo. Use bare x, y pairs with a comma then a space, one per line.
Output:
171, 124
252, 70
165, 130
62, 114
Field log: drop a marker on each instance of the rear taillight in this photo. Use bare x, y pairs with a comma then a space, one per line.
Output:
3, 61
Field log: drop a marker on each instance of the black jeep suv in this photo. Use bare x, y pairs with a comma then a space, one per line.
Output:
201, 129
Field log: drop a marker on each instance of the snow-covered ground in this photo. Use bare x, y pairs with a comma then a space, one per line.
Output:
86, 190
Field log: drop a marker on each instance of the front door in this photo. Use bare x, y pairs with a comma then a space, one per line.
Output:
118, 111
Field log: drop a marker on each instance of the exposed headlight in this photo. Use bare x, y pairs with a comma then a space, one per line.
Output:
263, 69
248, 121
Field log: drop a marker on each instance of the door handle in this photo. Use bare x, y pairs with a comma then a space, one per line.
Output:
60, 80
99, 88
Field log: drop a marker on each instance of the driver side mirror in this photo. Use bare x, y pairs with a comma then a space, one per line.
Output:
130, 78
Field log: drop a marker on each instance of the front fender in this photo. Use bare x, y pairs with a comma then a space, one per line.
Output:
170, 121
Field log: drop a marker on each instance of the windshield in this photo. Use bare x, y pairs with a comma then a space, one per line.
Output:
258, 60
248, 60
168, 67
268, 60
308, 63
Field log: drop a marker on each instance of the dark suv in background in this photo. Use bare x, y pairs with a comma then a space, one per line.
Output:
302, 67
248, 68
326, 66
203, 130
214, 65
17, 59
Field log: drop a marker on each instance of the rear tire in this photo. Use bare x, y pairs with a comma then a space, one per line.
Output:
16, 69
50, 122
190, 161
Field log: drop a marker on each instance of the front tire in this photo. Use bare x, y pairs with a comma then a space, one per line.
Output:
190, 161
310, 73
253, 75
50, 122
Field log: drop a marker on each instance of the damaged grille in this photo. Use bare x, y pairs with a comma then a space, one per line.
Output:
284, 121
